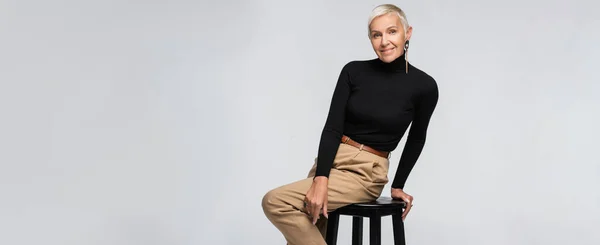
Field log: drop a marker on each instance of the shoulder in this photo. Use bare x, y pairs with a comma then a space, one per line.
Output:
424, 79
356, 68
352, 70
427, 85
357, 65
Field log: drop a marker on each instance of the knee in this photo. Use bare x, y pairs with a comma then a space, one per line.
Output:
270, 202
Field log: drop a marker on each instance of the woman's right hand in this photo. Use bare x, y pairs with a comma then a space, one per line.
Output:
316, 198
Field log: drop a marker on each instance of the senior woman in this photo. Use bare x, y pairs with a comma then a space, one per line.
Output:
373, 103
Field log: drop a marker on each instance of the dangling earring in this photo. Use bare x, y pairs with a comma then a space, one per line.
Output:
406, 54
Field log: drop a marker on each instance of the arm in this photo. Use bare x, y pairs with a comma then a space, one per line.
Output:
316, 196
424, 107
334, 125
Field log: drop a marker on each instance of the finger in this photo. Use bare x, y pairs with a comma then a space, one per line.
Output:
407, 209
325, 210
315, 214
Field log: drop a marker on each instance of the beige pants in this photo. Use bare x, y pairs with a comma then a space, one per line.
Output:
356, 176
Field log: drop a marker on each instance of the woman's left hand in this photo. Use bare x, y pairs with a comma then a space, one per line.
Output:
408, 199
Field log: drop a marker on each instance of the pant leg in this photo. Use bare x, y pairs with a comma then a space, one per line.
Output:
356, 176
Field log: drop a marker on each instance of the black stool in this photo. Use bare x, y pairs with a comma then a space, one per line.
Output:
374, 210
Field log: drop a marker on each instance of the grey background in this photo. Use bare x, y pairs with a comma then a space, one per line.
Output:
164, 122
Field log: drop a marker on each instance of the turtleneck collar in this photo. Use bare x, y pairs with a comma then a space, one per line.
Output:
397, 65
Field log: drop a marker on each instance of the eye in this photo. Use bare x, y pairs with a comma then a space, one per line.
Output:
392, 31
376, 34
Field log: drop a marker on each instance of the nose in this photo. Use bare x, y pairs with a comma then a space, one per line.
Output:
384, 40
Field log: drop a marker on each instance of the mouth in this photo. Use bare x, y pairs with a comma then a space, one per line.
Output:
387, 51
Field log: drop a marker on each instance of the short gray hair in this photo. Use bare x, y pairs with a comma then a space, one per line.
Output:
384, 9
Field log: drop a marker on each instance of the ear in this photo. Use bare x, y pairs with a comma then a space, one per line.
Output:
409, 32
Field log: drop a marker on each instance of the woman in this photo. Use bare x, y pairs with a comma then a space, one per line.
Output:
373, 104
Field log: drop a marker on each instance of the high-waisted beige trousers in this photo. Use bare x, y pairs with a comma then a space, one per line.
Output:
356, 176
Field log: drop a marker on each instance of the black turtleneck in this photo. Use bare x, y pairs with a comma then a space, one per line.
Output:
374, 103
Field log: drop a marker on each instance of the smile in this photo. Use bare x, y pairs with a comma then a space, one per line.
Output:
387, 51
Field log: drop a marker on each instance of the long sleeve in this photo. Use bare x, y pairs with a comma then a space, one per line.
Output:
334, 124
424, 107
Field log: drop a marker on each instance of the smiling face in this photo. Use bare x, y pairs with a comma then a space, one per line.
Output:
388, 36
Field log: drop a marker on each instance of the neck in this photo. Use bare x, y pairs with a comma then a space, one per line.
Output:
397, 65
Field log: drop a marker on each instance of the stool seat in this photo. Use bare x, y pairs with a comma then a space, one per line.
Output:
373, 210
381, 204
382, 201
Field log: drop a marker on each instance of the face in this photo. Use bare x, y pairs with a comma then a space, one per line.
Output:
388, 37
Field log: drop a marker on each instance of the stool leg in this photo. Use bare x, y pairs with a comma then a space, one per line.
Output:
375, 227
332, 228
398, 227
357, 230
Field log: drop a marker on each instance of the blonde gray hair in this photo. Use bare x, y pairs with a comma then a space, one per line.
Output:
384, 9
